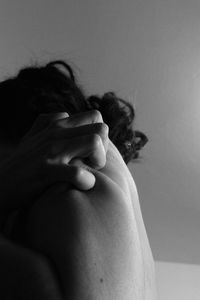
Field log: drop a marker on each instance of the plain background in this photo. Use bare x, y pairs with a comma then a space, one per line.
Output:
148, 52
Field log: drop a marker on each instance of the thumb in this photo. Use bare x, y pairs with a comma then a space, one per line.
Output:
76, 174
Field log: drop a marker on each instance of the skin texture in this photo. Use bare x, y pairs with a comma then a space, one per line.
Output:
96, 239
87, 243
41, 159
24, 172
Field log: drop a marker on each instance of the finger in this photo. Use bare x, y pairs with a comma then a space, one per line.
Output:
44, 120
80, 119
98, 128
75, 176
58, 116
89, 147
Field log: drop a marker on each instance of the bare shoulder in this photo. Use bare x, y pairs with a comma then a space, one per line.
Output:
118, 173
115, 198
105, 223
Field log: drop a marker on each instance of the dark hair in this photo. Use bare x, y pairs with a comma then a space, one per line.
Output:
53, 88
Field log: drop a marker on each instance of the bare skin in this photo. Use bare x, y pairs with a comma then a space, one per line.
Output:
25, 274
42, 158
26, 172
96, 239
89, 243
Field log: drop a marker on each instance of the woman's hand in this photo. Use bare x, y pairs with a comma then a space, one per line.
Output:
43, 157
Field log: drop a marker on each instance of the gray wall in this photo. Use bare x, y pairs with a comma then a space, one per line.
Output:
177, 281
148, 52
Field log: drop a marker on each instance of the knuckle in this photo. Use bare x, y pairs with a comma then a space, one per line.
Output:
102, 129
96, 141
96, 115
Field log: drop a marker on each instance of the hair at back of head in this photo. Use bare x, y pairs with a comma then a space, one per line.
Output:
53, 88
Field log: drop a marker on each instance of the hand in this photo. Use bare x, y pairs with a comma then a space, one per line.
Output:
43, 157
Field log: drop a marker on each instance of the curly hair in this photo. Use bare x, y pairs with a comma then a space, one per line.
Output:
54, 88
